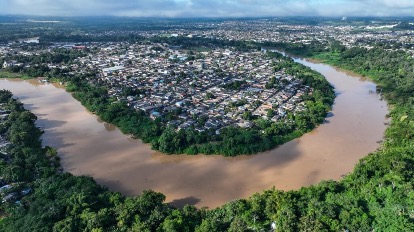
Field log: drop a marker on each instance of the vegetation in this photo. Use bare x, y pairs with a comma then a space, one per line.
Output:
37, 63
231, 141
5, 74
378, 195
228, 142
235, 85
392, 70
404, 25
60, 201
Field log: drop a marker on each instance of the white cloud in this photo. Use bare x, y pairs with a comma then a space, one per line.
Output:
209, 8
395, 3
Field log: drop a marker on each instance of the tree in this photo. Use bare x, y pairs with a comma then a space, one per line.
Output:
238, 225
247, 115
270, 113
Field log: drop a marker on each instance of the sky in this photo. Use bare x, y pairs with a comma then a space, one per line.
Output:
208, 8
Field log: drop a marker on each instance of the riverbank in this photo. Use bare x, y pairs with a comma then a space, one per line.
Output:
352, 130
5, 74
375, 196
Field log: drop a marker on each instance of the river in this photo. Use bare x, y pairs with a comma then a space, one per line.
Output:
88, 146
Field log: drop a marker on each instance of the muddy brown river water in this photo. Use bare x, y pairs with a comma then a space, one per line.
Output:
91, 147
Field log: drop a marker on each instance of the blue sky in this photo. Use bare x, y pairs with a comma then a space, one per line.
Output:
209, 8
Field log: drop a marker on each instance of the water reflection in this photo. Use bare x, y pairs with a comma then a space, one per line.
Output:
108, 126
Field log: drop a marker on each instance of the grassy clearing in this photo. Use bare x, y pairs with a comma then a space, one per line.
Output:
6, 74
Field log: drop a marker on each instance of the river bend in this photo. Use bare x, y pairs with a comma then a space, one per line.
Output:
88, 146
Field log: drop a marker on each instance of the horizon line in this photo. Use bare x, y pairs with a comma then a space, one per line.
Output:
200, 17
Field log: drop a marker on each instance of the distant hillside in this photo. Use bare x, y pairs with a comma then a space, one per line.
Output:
405, 26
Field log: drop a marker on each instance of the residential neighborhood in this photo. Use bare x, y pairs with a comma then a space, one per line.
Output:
207, 90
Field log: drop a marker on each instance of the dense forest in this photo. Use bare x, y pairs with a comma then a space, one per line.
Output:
377, 196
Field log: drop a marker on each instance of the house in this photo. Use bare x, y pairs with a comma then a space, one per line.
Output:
155, 114
107, 71
179, 104
245, 124
10, 63
30, 40
5, 188
9, 197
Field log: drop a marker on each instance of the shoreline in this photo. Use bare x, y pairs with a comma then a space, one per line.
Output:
290, 166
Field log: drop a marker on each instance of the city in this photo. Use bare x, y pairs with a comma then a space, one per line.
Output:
184, 115
199, 89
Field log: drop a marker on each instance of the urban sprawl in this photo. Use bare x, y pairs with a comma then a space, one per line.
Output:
209, 88
222, 87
